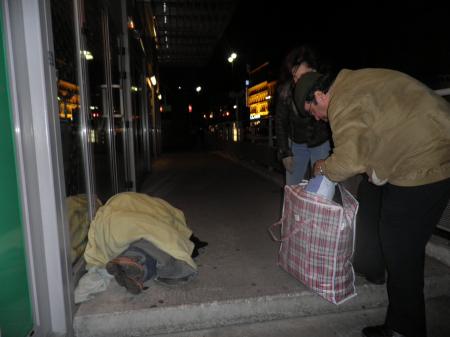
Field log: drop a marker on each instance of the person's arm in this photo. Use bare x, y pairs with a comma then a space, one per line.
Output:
352, 142
282, 130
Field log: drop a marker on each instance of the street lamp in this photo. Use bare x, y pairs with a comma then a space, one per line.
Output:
232, 57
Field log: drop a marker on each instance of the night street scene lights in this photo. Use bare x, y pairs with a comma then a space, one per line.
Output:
232, 57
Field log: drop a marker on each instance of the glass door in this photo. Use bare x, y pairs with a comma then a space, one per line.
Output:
94, 28
118, 106
71, 124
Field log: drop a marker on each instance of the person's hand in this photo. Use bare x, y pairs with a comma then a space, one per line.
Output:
317, 170
288, 163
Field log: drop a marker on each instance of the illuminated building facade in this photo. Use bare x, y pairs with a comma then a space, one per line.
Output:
261, 92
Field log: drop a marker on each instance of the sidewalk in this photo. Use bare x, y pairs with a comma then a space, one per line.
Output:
239, 281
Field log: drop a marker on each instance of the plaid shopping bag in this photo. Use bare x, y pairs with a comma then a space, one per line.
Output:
317, 241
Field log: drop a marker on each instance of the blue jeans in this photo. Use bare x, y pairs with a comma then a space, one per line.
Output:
304, 155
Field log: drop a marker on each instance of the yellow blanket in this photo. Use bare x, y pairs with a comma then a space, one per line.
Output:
128, 217
77, 214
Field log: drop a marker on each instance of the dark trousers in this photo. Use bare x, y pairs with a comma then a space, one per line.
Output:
368, 258
407, 217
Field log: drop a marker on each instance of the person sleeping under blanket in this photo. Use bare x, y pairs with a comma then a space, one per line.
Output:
138, 238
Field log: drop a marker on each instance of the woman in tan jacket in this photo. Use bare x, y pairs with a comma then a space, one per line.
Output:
396, 130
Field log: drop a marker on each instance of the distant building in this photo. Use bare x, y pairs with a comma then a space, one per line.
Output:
260, 92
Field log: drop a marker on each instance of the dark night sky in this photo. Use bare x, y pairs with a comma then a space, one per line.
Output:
414, 38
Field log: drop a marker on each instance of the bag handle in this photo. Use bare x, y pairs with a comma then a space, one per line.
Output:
284, 238
274, 237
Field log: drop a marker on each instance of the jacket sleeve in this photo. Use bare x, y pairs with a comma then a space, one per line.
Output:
282, 129
351, 137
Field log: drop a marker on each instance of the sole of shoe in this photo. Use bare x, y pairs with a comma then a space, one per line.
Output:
133, 286
127, 273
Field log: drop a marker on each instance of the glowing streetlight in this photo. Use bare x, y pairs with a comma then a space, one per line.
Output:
232, 57
198, 89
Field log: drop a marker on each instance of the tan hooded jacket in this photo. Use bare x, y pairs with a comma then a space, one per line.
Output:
386, 122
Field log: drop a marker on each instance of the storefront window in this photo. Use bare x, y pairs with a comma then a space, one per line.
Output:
69, 117
94, 30
137, 70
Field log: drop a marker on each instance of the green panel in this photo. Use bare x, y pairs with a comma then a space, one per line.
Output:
15, 308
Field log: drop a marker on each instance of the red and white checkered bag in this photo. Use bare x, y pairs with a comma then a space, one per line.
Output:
317, 241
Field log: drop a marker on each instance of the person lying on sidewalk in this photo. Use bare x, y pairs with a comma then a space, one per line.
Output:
138, 238
396, 130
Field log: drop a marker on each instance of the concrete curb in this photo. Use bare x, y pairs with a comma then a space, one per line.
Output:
198, 316
439, 248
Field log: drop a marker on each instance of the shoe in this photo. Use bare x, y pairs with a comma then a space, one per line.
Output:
198, 246
379, 331
198, 243
128, 273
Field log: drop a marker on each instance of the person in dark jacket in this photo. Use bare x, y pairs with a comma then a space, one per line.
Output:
301, 139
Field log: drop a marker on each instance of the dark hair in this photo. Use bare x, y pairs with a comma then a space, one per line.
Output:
299, 55
294, 58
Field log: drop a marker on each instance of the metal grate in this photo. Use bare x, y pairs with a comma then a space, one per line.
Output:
188, 30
